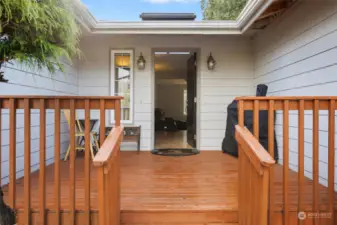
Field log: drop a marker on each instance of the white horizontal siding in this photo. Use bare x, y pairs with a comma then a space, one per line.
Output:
297, 55
233, 76
25, 81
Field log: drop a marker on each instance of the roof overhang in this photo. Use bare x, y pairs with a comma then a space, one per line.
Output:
249, 14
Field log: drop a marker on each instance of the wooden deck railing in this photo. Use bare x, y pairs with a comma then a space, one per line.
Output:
107, 159
254, 166
299, 107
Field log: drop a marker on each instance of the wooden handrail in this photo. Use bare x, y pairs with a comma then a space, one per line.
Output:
110, 146
64, 101
287, 98
258, 156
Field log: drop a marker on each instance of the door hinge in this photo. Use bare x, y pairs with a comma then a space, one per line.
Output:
195, 99
195, 137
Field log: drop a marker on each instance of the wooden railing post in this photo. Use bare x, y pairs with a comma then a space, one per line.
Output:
107, 161
254, 172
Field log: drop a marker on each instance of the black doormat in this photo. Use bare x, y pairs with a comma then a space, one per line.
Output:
175, 151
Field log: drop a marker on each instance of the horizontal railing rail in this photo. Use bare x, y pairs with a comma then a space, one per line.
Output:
296, 112
254, 166
41, 112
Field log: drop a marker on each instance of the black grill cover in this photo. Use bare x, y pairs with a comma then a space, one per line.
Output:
229, 144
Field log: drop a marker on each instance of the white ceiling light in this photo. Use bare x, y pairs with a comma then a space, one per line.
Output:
160, 53
179, 53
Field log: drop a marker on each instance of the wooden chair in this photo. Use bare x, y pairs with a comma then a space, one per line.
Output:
79, 134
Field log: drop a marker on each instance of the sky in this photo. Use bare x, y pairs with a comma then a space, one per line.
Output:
129, 10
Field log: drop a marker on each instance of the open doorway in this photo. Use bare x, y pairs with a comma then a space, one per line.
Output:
175, 99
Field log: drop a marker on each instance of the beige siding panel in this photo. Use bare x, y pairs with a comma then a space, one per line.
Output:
233, 76
297, 55
28, 81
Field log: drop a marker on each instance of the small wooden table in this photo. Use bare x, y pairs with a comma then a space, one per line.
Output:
131, 134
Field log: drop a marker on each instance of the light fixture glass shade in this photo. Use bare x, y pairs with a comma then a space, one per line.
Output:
122, 60
141, 62
211, 62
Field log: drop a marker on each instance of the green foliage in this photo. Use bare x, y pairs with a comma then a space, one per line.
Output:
222, 9
38, 33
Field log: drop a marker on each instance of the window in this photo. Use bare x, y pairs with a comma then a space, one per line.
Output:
122, 82
185, 102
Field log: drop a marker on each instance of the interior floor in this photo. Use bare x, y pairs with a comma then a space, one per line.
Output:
177, 139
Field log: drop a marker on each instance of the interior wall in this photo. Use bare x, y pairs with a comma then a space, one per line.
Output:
232, 77
297, 55
25, 81
170, 98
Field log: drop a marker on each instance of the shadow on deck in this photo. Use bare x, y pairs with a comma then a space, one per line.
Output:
155, 189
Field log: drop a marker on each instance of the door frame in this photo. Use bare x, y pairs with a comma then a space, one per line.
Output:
153, 91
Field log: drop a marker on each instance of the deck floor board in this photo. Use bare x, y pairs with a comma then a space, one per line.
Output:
203, 182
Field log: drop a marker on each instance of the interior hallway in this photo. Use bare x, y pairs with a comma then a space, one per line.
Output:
177, 139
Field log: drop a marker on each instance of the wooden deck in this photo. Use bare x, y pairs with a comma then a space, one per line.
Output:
158, 190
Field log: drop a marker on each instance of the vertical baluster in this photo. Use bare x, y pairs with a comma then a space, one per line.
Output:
116, 173
315, 145
240, 206
241, 113
12, 153
117, 184
118, 113
264, 193
72, 161
42, 174
101, 175
286, 162
101, 195
27, 160
242, 182
256, 119
253, 196
248, 193
109, 191
300, 157
87, 140
271, 152
57, 156
331, 160
102, 122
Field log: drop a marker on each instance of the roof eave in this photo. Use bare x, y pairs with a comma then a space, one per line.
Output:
249, 14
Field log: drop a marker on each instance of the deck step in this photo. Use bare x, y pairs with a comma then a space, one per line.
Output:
183, 217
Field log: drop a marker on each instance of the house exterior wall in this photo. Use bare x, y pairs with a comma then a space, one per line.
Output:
297, 55
232, 77
24, 81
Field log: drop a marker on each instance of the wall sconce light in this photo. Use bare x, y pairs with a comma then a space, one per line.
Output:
211, 62
141, 62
